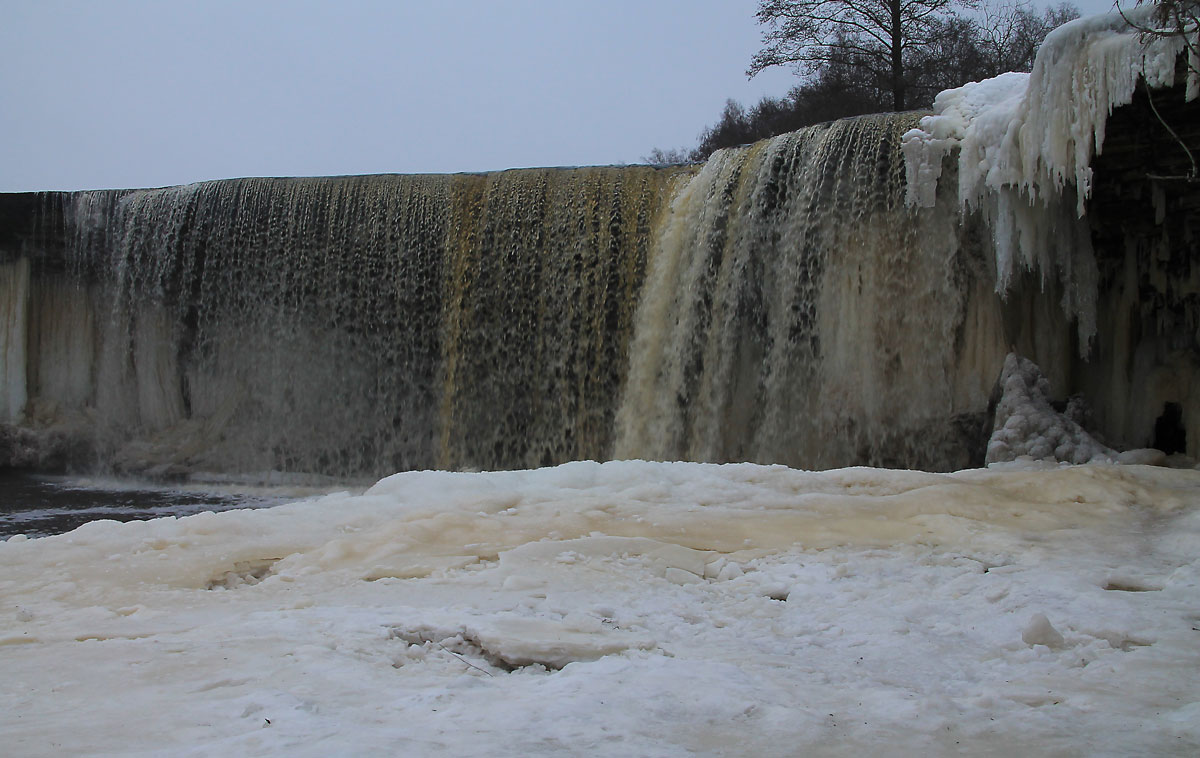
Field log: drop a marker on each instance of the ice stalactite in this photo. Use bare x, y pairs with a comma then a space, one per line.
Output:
1025, 146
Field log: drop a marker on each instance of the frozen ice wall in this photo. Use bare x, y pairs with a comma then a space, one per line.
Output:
1025, 146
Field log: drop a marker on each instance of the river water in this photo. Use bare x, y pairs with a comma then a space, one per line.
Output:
37, 506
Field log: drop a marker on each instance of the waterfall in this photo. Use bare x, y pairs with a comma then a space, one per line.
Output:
797, 312
14, 302
844, 294
348, 326
781, 303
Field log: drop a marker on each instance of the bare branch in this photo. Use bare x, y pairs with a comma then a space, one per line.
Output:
877, 35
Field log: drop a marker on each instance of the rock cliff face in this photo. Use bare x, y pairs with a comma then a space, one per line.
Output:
1145, 217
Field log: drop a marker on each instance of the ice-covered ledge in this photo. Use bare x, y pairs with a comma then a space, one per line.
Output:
1026, 141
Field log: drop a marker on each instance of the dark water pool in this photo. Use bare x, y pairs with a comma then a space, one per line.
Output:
38, 506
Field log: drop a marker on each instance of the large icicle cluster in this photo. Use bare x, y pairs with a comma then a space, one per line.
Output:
1025, 144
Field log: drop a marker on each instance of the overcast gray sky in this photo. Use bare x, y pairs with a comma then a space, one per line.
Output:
129, 93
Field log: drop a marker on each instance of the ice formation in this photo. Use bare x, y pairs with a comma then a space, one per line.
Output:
1025, 145
1027, 425
624, 608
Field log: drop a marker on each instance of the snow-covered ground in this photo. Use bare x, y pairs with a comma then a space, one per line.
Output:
624, 609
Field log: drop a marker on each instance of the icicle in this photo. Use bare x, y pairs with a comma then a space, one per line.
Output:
1025, 146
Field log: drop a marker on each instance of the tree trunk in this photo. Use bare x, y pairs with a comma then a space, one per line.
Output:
897, 34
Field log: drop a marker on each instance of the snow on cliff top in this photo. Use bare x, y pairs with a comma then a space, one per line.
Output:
1025, 144
1038, 131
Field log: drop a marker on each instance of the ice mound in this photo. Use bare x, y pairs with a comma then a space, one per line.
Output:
1027, 425
1041, 632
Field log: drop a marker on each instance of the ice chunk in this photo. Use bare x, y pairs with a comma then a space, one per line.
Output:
681, 576
1145, 456
1039, 631
514, 641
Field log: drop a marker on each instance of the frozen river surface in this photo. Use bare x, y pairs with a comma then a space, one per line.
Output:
625, 608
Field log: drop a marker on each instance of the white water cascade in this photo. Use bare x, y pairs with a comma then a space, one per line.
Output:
798, 312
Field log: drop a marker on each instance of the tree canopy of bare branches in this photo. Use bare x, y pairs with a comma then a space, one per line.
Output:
1176, 18
841, 79
880, 37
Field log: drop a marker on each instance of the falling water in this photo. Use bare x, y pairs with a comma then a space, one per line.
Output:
350, 326
797, 312
780, 303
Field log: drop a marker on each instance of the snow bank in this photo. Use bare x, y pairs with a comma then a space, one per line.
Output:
1025, 145
624, 608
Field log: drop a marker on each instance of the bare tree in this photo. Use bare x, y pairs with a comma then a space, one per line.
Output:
844, 76
878, 36
1000, 37
673, 156
1011, 32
